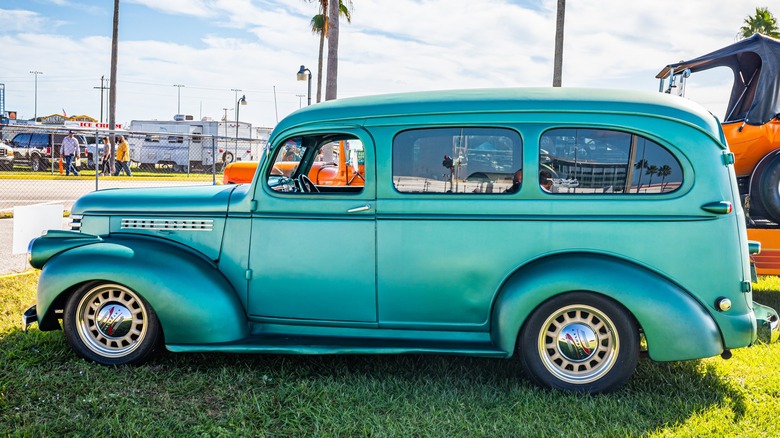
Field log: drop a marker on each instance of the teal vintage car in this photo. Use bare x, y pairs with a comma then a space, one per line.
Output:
571, 229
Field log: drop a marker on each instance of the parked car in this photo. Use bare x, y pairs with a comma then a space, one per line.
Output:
36, 149
6, 156
439, 249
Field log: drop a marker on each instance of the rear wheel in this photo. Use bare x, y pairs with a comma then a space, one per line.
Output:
111, 324
580, 342
36, 165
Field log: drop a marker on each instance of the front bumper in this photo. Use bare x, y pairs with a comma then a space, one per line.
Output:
29, 317
768, 323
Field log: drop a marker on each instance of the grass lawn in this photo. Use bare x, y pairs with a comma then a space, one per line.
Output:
46, 390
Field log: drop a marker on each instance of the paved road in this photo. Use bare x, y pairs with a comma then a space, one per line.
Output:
65, 192
19, 192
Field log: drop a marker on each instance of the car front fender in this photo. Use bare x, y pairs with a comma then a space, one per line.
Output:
193, 300
676, 326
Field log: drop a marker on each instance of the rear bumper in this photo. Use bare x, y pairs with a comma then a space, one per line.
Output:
768, 323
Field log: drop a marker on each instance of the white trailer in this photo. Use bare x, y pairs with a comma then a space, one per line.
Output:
188, 144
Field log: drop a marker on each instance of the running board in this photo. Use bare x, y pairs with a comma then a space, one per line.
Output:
281, 344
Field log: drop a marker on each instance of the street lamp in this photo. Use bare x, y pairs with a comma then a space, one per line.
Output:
239, 102
302, 77
178, 108
36, 73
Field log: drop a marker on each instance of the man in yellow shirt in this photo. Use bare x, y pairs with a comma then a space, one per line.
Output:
123, 157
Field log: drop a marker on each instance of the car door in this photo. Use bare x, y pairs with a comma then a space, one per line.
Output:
312, 252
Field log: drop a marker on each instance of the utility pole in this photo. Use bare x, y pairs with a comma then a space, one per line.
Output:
236, 99
178, 108
101, 87
36, 73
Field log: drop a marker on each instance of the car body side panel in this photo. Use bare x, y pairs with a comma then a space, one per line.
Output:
193, 300
665, 312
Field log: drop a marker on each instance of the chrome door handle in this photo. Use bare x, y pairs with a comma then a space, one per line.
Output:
357, 209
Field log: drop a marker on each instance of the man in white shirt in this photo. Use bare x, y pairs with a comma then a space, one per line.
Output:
70, 150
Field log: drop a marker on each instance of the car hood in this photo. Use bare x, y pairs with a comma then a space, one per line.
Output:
190, 200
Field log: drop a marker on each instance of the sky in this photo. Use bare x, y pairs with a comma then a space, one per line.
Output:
213, 47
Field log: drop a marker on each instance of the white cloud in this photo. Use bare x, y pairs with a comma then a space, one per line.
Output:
390, 46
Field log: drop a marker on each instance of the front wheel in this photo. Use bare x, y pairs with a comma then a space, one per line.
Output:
581, 342
111, 324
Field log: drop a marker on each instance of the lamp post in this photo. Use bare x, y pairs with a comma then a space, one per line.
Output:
36, 73
178, 107
239, 102
302, 77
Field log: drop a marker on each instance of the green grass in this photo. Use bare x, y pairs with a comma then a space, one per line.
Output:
46, 390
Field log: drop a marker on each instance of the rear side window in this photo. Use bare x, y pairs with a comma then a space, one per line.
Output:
457, 161
596, 161
39, 140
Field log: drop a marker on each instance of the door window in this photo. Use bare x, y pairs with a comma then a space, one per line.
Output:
318, 164
457, 161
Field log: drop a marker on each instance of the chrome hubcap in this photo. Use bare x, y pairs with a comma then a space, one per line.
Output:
578, 344
111, 320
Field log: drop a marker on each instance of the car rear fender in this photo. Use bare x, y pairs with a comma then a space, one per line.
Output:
193, 300
676, 326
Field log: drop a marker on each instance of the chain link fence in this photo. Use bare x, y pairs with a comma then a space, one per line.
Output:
32, 168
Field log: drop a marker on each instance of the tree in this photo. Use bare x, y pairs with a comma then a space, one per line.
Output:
112, 83
319, 26
558, 63
651, 170
639, 165
664, 171
763, 22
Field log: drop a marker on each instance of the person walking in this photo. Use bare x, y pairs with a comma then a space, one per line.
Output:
123, 157
106, 157
70, 150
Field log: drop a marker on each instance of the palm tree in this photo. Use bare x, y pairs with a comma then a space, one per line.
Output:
112, 83
558, 63
651, 170
664, 171
641, 164
763, 22
319, 26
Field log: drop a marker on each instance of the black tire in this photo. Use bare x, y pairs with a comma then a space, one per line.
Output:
36, 165
111, 324
228, 158
580, 342
768, 190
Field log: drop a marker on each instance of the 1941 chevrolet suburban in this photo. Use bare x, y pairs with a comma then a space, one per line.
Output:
569, 228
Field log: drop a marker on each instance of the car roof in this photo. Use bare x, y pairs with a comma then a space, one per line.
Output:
530, 100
